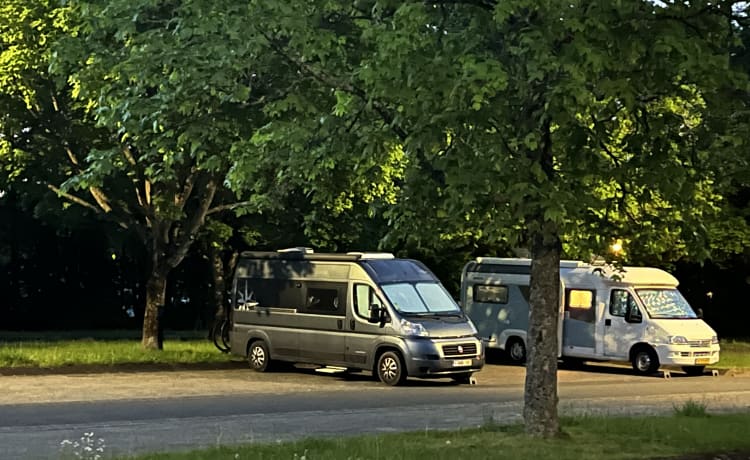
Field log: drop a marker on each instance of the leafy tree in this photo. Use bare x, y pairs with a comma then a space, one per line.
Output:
553, 125
136, 117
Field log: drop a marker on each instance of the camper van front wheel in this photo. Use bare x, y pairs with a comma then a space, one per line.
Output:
257, 356
391, 368
645, 360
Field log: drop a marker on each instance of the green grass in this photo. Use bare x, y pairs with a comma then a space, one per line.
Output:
582, 439
734, 354
66, 348
50, 353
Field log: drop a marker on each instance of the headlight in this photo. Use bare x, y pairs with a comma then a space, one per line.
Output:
413, 329
677, 339
715, 339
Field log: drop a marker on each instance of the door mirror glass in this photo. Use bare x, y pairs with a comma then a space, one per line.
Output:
376, 313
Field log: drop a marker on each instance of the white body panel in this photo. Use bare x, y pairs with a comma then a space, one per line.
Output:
599, 331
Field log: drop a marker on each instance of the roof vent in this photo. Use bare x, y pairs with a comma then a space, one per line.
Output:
302, 249
372, 255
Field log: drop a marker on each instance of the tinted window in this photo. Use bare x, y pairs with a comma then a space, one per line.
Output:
269, 293
490, 294
401, 270
325, 299
619, 301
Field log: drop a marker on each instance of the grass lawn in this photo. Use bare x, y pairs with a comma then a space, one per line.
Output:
583, 439
734, 354
59, 349
100, 348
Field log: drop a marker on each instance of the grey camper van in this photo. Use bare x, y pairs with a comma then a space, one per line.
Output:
359, 311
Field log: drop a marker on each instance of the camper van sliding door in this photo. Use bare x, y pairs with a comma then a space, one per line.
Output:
321, 323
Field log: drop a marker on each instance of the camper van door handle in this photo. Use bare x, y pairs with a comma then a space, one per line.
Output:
351, 324
340, 323
607, 322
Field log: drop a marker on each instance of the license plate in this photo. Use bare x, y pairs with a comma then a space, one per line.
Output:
701, 360
462, 363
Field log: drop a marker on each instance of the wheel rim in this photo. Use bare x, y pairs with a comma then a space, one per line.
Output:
389, 369
517, 351
257, 357
643, 362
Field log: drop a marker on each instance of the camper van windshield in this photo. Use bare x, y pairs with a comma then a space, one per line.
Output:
666, 304
429, 298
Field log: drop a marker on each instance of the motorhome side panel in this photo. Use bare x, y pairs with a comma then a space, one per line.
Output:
298, 307
498, 305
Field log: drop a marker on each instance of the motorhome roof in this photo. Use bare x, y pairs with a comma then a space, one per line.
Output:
526, 262
573, 269
300, 254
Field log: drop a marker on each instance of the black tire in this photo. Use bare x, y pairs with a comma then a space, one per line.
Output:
464, 378
574, 363
390, 368
220, 335
258, 356
516, 350
645, 361
694, 370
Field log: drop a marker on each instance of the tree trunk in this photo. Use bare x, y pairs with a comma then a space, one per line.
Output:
219, 282
540, 397
156, 288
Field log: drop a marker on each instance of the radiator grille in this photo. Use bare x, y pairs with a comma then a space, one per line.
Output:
462, 349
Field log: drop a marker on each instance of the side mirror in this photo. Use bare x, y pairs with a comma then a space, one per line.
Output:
375, 313
699, 312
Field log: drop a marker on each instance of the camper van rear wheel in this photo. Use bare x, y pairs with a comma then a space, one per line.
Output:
516, 350
694, 370
645, 360
257, 356
391, 368
464, 378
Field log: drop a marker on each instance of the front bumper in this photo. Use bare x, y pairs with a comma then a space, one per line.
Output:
686, 355
434, 358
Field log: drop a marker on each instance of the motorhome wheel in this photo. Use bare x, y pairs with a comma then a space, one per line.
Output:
694, 370
517, 351
258, 356
645, 360
391, 369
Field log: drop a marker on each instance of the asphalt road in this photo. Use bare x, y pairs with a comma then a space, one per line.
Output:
140, 411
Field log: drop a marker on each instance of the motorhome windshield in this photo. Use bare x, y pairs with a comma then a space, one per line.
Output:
420, 298
666, 304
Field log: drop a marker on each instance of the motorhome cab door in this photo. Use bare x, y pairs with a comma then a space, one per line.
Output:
619, 334
361, 334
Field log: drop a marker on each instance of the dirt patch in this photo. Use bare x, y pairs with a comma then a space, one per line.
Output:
711, 456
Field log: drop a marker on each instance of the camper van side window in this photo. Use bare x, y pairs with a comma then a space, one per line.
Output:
619, 301
490, 294
324, 301
579, 304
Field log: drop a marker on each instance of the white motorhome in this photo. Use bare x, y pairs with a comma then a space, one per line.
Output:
634, 314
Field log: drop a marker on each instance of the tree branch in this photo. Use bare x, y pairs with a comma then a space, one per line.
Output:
74, 199
227, 207
192, 224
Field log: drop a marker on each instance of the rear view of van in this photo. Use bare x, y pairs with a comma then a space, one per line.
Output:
358, 311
